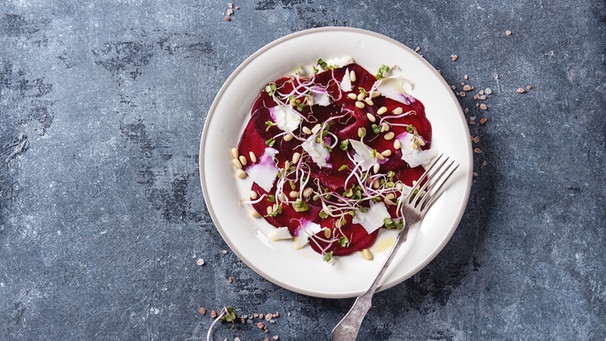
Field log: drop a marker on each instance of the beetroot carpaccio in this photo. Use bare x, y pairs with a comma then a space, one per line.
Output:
330, 150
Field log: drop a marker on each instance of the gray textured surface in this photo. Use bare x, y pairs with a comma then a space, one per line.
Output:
102, 217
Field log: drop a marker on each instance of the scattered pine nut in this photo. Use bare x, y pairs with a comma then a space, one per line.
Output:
390, 196
375, 94
308, 192
306, 130
316, 128
398, 111
369, 102
269, 209
366, 254
397, 144
360, 105
352, 76
234, 153
381, 110
327, 233
242, 159
375, 168
293, 194
287, 137
386, 152
389, 135
241, 174
237, 163
360, 96
371, 117
252, 157
384, 127
295, 157
351, 95
253, 195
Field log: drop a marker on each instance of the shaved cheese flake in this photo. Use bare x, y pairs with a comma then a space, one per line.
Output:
320, 96
395, 86
412, 152
265, 171
364, 154
316, 151
305, 230
279, 234
372, 219
346, 82
285, 117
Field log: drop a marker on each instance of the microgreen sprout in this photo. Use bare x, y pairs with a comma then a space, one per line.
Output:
327, 257
344, 144
225, 315
382, 71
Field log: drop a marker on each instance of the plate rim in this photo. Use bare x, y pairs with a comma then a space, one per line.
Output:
227, 84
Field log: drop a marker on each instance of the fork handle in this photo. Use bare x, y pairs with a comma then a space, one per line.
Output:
349, 326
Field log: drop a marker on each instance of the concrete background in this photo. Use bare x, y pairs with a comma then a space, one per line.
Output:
102, 217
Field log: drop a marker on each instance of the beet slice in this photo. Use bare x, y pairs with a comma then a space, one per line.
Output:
358, 238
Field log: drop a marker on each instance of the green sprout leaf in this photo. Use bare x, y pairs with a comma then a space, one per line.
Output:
382, 71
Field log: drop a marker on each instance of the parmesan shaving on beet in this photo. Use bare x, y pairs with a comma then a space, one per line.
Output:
364, 156
345, 84
316, 151
305, 230
279, 233
412, 152
320, 96
264, 173
373, 218
285, 117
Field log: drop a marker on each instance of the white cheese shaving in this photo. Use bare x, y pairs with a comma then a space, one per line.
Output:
395, 86
340, 61
346, 82
372, 219
320, 96
285, 117
265, 171
412, 152
316, 151
279, 234
364, 155
304, 231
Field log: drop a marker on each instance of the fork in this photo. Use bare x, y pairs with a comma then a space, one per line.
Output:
414, 206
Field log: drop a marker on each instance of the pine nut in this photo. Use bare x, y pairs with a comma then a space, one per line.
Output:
252, 157
389, 135
381, 110
397, 144
253, 195
384, 127
375, 94
293, 194
420, 141
295, 157
371, 117
360, 105
269, 210
386, 152
236, 163
316, 128
306, 130
390, 196
398, 111
351, 95
283, 197
255, 214
375, 168
242, 159
241, 174
287, 137
286, 164
369, 102
360, 96
380, 156
308, 192
234, 153
352, 76
366, 254
327, 233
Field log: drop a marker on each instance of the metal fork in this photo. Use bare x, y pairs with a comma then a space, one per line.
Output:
414, 206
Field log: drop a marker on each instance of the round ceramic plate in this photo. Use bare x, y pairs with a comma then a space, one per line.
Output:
303, 270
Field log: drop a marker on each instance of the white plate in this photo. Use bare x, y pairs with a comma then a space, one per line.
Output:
303, 271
